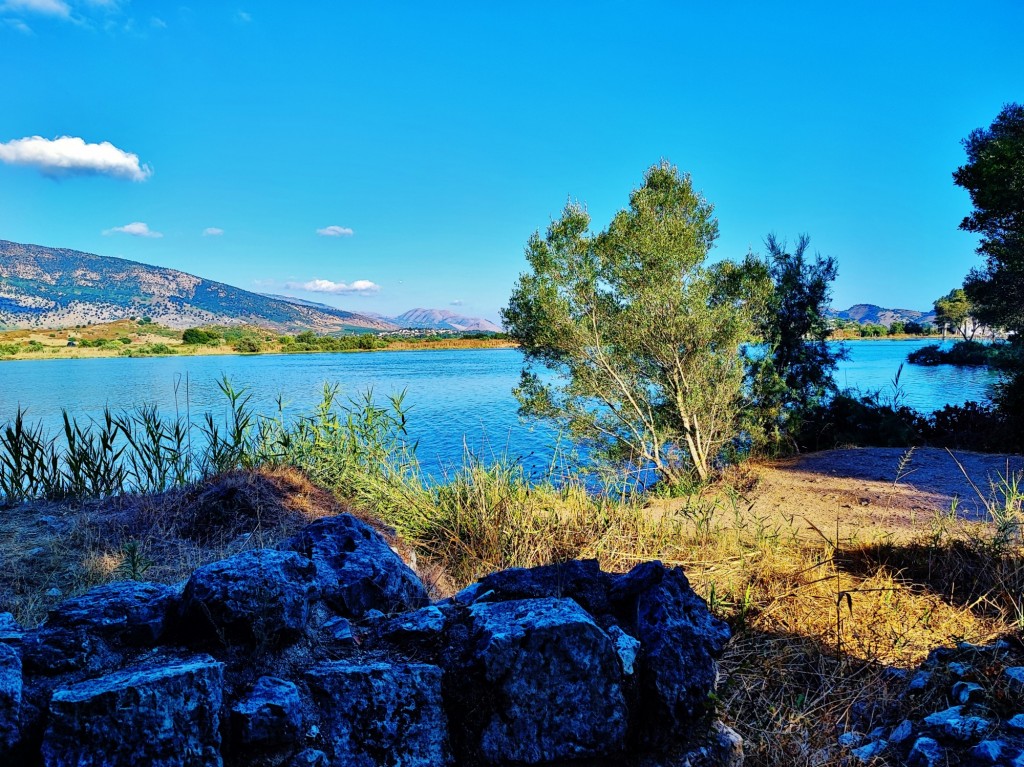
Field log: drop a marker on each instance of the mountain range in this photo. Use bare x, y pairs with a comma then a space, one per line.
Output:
45, 287
877, 315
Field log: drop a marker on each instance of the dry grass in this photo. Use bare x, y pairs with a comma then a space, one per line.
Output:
161, 537
816, 619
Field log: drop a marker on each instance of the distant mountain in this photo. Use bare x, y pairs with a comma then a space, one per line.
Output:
877, 315
416, 319
441, 319
56, 287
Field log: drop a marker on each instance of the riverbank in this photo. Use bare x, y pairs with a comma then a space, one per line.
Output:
130, 338
797, 666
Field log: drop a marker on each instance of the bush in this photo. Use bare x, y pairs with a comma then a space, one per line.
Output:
195, 336
248, 345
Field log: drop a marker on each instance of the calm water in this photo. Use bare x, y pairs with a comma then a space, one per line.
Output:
456, 398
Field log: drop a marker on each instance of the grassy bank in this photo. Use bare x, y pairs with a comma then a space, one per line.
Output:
131, 338
816, 616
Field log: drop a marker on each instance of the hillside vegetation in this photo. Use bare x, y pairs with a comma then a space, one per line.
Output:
44, 287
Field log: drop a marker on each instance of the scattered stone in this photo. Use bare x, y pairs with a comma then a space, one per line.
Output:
919, 682
271, 714
338, 631
851, 739
955, 724
11, 631
870, 752
967, 692
10, 697
425, 623
1016, 722
377, 709
260, 597
926, 752
163, 715
959, 670
987, 752
55, 593
1014, 676
309, 757
356, 570
626, 646
901, 733
123, 612
543, 684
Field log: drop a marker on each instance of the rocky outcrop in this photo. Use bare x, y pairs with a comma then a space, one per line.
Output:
327, 653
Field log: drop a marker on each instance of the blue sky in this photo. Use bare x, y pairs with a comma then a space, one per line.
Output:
435, 137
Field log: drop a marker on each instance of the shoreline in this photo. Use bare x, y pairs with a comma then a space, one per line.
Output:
72, 353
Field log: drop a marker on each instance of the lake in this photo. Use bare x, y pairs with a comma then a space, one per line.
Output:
457, 399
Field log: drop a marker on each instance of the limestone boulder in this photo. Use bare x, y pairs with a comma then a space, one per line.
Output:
357, 571
159, 714
381, 713
256, 597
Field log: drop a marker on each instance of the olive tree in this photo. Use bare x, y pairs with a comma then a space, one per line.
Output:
643, 336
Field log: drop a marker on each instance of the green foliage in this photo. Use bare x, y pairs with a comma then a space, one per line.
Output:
247, 345
994, 177
1000, 356
196, 336
34, 346
794, 374
897, 328
308, 341
954, 310
644, 335
872, 331
9, 349
147, 350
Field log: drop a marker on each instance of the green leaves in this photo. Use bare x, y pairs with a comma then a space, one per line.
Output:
643, 335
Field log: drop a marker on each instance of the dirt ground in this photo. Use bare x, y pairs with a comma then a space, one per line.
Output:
874, 492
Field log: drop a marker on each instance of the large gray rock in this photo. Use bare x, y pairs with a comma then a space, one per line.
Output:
680, 641
124, 613
269, 716
381, 714
542, 683
10, 630
356, 569
10, 697
159, 715
260, 597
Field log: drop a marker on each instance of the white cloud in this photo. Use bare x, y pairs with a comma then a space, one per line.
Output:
19, 25
57, 8
457, 302
136, 229
213, 231
327, 286
243, 17
335, 231
71, 156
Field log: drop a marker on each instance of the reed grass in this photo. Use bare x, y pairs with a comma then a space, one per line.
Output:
817, 619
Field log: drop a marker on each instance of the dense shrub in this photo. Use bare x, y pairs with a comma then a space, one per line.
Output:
967, 354
195, 336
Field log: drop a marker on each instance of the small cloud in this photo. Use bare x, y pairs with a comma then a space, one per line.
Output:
244, 17
56, 8
157, 23
213, 231
136, 229
457, 302
71, 156
19, 25
335, 231
364, 287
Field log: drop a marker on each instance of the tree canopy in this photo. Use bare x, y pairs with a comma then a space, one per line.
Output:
794, 373
955, 310
994, 177
644, 335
